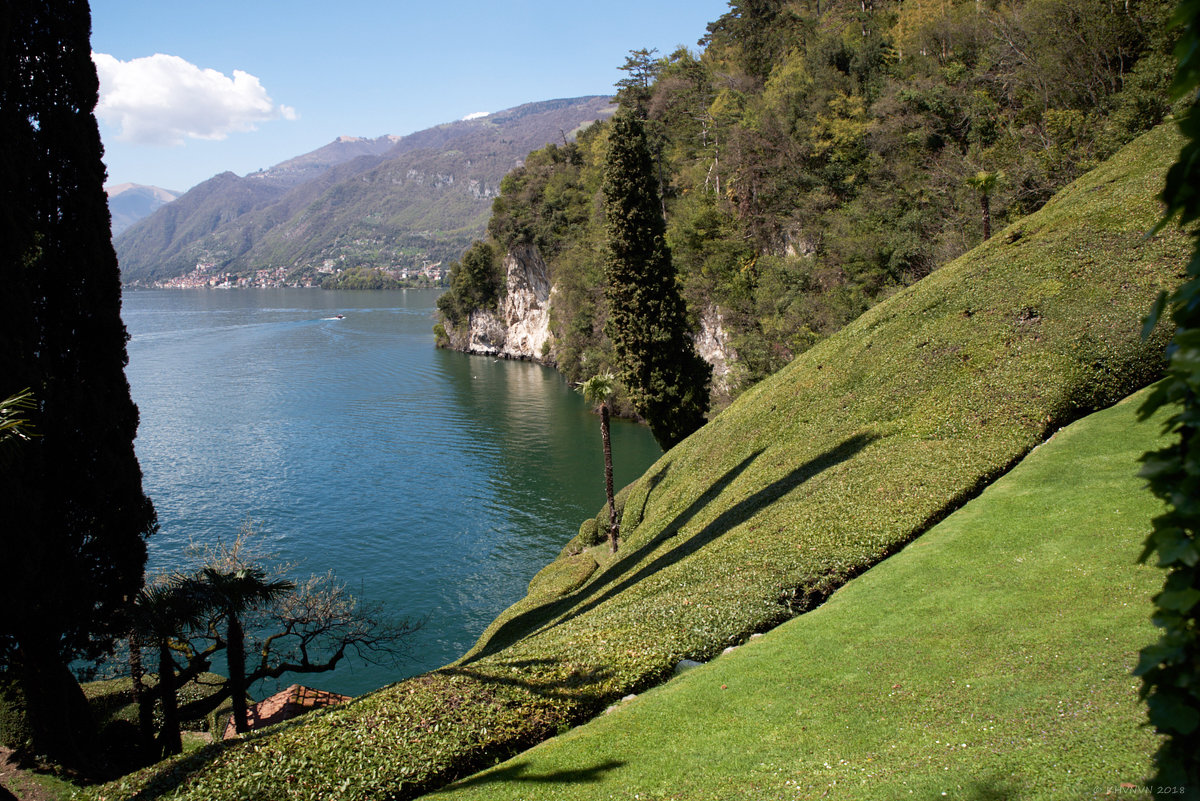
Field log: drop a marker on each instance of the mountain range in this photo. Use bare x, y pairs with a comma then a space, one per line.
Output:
392, 201
128, 203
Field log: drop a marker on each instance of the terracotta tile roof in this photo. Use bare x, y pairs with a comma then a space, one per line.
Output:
285, 705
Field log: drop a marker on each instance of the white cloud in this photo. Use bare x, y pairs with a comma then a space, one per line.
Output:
476, 115
163, 100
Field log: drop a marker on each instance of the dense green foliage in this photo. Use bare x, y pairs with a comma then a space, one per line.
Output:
818, 156
987, 660
475, 283
807, 479
361, 278
74, 518
666, 380
1171, 667
553, 202
14, 728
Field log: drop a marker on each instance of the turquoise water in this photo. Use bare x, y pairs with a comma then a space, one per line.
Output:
433, 482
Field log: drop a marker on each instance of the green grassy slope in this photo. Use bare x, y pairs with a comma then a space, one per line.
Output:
989, 659
868, 438
808, 479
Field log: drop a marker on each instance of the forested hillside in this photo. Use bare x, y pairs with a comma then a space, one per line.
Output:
355, 203
817, 155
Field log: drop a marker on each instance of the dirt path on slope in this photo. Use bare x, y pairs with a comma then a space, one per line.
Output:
15, 783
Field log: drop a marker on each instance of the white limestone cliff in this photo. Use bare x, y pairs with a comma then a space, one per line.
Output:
520, 327
714, 346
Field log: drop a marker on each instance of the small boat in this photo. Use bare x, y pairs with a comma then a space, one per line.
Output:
340, 317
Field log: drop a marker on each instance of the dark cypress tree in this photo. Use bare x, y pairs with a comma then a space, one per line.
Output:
74, 518
666, 379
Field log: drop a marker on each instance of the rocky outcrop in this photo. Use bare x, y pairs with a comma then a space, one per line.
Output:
713, 345
520, 327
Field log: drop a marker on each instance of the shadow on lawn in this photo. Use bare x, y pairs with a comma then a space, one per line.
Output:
531, 620
521, 674
993, 788
655, 480
731, 518
577, 686
610, 583
516, 772
166, 777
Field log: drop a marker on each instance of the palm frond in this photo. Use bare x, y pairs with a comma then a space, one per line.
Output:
598, 388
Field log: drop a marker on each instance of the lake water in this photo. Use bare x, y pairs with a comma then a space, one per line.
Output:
435, 482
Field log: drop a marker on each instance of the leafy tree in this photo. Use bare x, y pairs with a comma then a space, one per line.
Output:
1170, 668
643, 68
233, 600
541, 200
475, 283
666, 380
162, 610
75, 518
232, 593
754, 34
596, 391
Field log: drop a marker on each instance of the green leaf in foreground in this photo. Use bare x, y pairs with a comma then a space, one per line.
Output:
1170, 671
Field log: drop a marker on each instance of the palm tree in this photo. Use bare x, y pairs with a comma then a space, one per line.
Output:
232, 593
597, 390
985, 183
12, 422
15, 426
137, 686
164, 611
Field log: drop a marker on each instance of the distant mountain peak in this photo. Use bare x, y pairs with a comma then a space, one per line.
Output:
129, 203
166, 195
349, 140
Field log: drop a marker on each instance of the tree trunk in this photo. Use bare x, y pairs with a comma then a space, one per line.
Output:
56, 709
169, 739
137, 689
986, 205
613, 530
235, 657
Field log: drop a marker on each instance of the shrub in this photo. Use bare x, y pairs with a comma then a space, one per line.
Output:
14, 729
590, 533
562, 576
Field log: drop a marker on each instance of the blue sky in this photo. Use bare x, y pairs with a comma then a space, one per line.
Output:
189, 90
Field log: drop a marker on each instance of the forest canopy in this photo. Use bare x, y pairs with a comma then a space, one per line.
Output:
816, 156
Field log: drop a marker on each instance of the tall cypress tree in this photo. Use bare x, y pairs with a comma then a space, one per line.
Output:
666, 379
74, 518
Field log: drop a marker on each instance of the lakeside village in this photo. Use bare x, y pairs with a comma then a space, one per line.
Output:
206, 276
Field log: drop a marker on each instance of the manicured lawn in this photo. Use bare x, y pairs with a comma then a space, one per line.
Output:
990, 659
